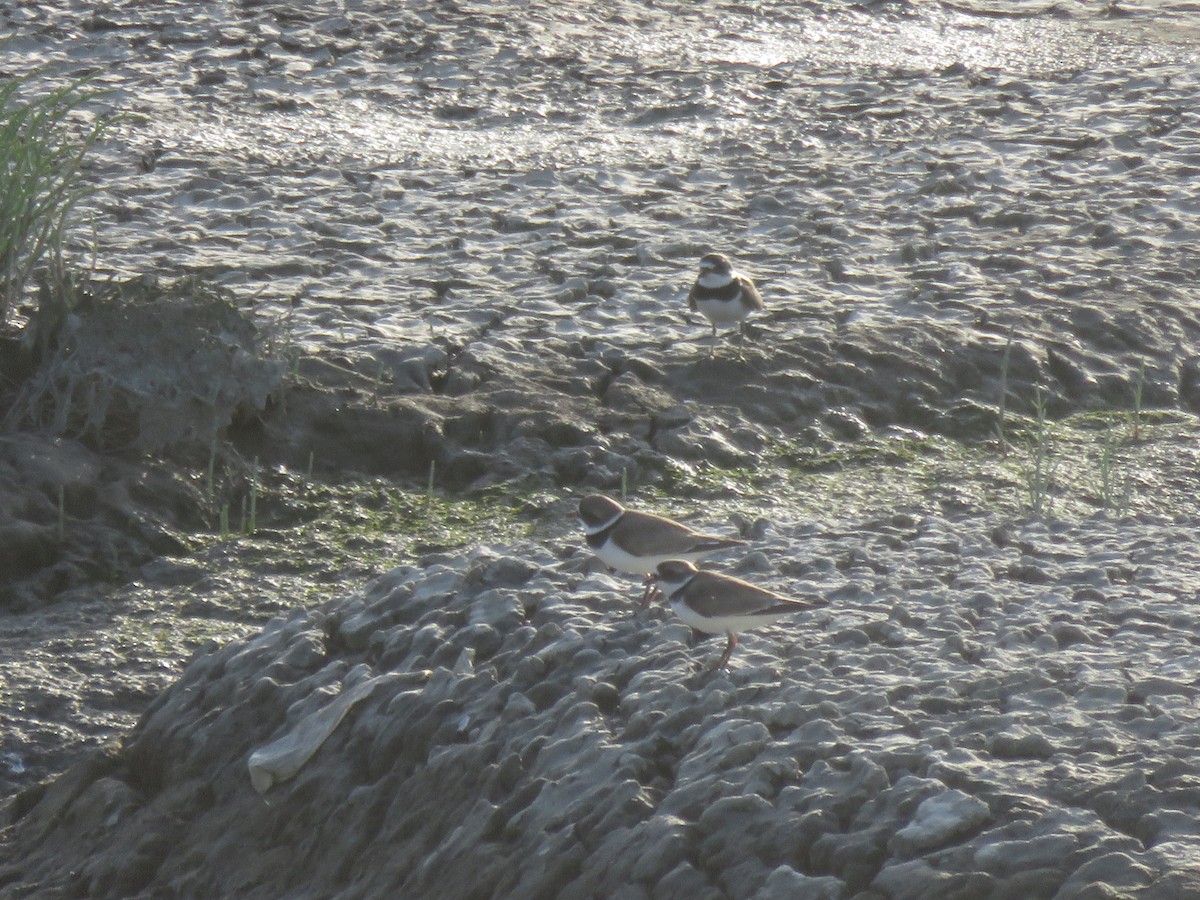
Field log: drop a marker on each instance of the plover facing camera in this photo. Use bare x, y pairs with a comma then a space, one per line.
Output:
723, 295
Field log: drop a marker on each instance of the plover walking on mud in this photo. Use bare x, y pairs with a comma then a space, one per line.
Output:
636, 542
716, 603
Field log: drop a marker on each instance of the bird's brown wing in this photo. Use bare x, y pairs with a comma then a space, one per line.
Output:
753, 298
711, 543
657, 536
715, 595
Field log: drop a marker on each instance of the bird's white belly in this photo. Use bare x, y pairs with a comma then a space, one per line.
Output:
721, 624
722, 312
612, 555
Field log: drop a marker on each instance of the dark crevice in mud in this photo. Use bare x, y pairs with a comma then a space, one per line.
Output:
601, 384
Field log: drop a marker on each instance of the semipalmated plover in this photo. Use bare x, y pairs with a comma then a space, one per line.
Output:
723, 295
636, 542
715, 603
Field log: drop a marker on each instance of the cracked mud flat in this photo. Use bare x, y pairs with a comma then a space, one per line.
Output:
472, 232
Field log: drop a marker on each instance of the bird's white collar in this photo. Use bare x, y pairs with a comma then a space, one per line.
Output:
715, 279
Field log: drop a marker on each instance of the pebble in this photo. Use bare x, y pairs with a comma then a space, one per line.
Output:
939, 819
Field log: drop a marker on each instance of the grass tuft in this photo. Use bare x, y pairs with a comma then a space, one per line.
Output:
1116, 483
40, 185
1039, 469
1135, 417
1002, 405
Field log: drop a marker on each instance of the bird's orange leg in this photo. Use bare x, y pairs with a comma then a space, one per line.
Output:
728, 650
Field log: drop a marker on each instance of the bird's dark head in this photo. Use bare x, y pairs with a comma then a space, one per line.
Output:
596, 510
716, 264
674, 574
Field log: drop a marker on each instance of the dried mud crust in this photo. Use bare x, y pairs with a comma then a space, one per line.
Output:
983, 704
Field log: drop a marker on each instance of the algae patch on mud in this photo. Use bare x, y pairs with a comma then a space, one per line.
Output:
413, 522
375, 523
1114, 462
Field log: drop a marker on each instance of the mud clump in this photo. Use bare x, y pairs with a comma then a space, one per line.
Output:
144, 367
135, 386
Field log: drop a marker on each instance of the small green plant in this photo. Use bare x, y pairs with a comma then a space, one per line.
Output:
1135, 417
40, 185
210, 477
1116, 485
252, 522
1038, 471
1003, 400
377, 384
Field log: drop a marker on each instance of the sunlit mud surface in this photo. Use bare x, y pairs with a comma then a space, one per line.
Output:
918, 161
